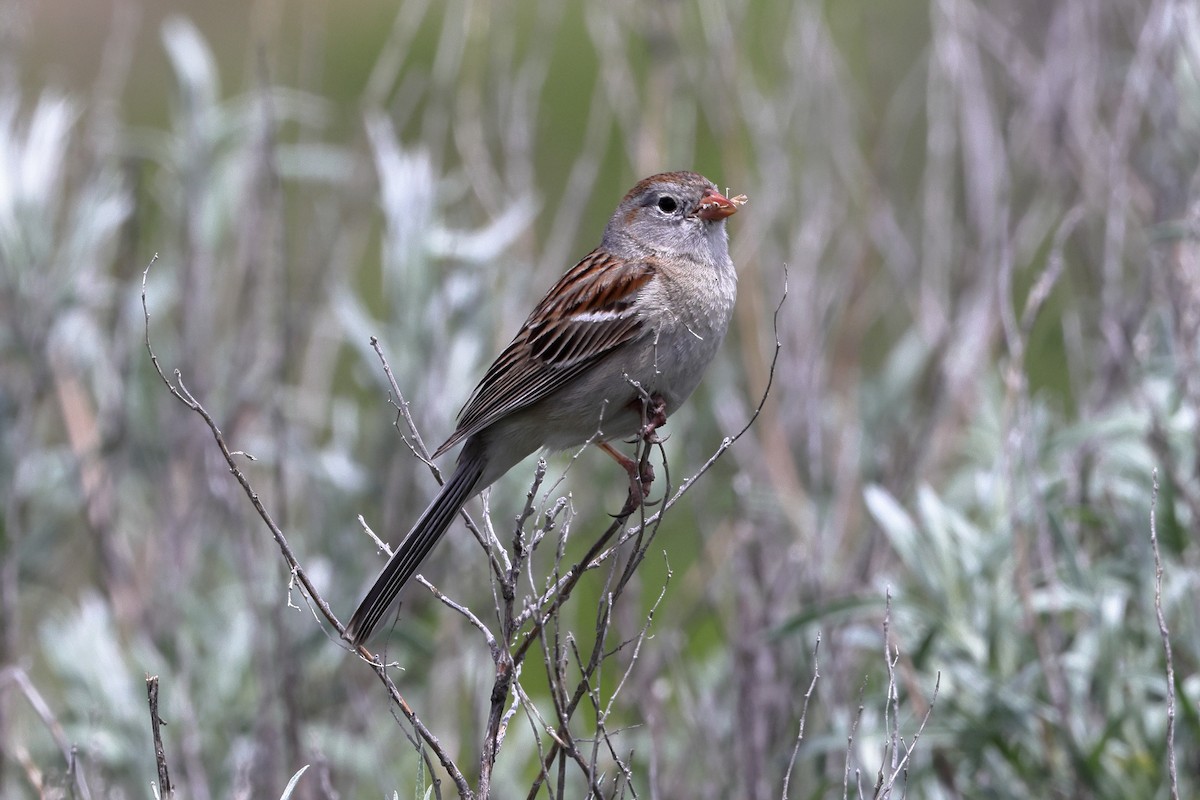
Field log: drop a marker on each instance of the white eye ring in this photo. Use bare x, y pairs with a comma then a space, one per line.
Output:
667, 204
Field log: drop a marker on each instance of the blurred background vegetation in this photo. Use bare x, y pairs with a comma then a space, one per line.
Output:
988, 216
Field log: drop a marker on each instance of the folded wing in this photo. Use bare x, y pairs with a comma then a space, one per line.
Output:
589, 313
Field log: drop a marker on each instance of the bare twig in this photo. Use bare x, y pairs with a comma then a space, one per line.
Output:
379, 543
891, 704
638, 640
156, 723
590, 669
1166, 640
181, 393
507, 668
885, 779
787, 776
461, 609
850, 741
908, 751
417, 445
562, 589
18, 677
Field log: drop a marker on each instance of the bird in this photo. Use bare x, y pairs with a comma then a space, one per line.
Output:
616, 345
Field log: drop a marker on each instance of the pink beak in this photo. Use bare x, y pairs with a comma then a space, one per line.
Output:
714, 206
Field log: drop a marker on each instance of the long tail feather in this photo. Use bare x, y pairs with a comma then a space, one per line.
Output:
413, 550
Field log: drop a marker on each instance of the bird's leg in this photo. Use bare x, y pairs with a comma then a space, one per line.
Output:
654, 416
653, 410
641, 476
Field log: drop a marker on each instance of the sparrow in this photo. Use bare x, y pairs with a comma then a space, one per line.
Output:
612, 349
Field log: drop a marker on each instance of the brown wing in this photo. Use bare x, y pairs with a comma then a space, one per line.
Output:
588, 313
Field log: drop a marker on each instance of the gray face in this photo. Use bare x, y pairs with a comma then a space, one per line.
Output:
661, 215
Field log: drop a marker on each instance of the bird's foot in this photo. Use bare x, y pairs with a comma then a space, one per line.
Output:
655, 416
641, 478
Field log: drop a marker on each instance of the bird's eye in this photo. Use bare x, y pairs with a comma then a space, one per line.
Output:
667, 204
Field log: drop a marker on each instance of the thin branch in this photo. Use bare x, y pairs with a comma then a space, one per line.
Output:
380, 544
417, 445
891, 704
562, 589
156, 723
181, 393
1166, 640
590, 670
787, 776
17, 676
461, 609
507, 669
536, 726
850, 741
886, 781
638, 640
402, 409
908, 751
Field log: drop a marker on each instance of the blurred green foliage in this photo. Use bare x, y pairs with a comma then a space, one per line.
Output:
988, 358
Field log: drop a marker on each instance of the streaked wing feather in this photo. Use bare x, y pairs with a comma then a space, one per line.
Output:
587, 314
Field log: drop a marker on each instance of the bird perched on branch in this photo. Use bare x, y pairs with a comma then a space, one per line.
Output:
612, 349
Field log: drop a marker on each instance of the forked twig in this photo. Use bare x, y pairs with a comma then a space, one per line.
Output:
180, 392
787, 776
417, 445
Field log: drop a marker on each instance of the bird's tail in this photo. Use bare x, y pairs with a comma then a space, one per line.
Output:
412, 551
